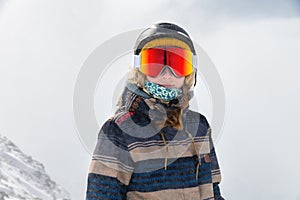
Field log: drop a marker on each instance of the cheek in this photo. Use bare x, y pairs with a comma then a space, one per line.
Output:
180, 82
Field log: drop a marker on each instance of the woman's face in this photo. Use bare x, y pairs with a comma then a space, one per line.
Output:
167, 79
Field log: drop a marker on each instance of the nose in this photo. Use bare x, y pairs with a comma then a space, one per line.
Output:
167, 73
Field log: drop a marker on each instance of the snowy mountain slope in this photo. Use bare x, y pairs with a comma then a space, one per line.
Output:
21, 177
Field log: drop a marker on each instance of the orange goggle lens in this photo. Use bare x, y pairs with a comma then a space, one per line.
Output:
153, 60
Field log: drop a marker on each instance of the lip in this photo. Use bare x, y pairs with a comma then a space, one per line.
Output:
165, 85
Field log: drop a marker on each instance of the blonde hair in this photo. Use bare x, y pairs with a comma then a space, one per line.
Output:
174, 117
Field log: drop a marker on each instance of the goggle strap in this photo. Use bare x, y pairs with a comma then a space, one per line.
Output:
137, 61
195, 63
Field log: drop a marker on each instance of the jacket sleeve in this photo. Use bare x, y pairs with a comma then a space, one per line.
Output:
111, 166
215, 169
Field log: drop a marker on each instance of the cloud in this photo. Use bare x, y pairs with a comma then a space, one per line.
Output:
236, 9
44, 43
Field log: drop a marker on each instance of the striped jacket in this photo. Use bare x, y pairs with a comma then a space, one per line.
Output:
135, 160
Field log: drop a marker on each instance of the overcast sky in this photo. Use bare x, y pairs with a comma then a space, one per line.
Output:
254, 45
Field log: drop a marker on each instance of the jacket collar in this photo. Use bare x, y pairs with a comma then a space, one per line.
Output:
148, 98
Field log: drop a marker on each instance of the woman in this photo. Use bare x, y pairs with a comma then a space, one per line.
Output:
154, 146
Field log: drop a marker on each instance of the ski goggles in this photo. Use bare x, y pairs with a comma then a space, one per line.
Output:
152, 61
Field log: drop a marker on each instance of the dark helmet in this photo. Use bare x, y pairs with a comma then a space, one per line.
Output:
162, 30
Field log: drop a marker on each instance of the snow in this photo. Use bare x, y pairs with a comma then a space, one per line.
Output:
21, 177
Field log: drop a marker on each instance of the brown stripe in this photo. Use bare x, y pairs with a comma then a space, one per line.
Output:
154, 152
206, 191
111, 170
216, 178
